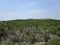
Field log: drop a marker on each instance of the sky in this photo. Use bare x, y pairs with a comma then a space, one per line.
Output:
27, 9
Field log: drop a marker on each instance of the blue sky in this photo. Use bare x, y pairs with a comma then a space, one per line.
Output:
25, 9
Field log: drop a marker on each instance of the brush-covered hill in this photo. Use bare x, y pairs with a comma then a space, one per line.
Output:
27, 32
30, 23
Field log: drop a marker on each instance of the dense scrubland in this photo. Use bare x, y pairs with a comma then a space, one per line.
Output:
30, 32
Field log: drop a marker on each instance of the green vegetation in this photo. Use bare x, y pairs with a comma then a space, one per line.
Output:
53, 41
30, 31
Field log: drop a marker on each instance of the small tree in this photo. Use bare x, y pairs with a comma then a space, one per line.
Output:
53, 41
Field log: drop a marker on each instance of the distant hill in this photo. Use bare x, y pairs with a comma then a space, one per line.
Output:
31, 22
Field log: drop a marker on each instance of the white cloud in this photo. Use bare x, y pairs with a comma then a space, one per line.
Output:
26, 5
35, 13
25, 12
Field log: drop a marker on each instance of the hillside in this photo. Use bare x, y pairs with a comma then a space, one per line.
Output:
30, 31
